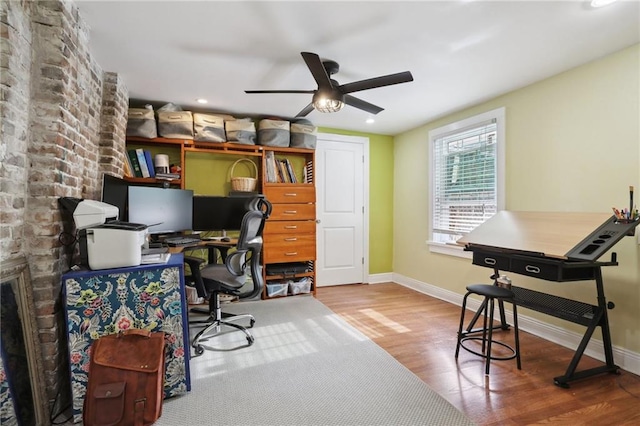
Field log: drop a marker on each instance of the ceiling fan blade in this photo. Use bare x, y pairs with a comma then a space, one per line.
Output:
363, 105
314, 63
305, 111
372, 83
280, 91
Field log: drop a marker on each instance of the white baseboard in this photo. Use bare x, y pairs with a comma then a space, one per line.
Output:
624, 358
381, 278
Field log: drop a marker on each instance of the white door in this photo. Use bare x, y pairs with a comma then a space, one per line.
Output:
341, 209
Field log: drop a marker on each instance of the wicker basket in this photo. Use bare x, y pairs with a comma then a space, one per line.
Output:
244, 184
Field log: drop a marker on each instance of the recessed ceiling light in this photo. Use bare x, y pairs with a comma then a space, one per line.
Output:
370, 120
201, 101
601, 3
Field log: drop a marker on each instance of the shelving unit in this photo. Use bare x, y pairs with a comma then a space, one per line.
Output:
290, 232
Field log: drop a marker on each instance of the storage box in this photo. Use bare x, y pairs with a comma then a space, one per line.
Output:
277, 289
175, 124
303, 135
141, 122
300, 286
273, 133
208, 128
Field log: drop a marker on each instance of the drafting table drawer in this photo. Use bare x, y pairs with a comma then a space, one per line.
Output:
491, 260
551, 270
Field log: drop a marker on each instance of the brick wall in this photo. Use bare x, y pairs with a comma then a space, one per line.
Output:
63, 124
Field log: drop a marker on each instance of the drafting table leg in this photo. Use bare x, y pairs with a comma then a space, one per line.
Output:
601, 320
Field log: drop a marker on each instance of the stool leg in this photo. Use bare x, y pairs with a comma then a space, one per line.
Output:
516, 335
489, 340
486, 305
464, 306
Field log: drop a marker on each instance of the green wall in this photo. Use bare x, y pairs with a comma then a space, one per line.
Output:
380, 199
572, 144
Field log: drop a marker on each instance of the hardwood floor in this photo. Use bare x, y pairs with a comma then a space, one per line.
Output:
420, 332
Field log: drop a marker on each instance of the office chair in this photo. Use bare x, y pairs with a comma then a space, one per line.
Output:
230, 277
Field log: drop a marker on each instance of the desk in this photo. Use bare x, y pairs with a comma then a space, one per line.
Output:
554, 247
109, 300
212, 245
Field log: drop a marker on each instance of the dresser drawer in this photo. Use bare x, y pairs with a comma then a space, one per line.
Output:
293, 212
291, 194
280, 249
289, 227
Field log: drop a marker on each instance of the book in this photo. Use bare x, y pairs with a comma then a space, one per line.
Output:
126, 168
143, 163
168, 176
135, 166
292, 175
149, 161
284, 174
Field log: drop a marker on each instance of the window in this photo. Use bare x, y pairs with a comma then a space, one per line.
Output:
466, 177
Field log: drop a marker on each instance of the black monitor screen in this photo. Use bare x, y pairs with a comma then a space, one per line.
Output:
115, 192
212, 213
165, 210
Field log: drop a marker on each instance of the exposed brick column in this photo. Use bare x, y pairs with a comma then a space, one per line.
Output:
113, 125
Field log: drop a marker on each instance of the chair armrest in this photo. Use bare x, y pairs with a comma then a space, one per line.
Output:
194, 264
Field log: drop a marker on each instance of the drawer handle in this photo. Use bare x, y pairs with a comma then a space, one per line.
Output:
532, 269
489, 261
291, 239
290, 212
291, 254
291, 194
291, 227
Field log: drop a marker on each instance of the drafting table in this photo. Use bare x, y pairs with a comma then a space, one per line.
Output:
554, 247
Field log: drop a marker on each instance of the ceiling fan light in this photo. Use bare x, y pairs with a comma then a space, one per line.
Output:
327, 103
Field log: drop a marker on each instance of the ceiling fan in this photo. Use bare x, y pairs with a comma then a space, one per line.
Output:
331, 96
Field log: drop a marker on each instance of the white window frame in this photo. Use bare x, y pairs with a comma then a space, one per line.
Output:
499, 116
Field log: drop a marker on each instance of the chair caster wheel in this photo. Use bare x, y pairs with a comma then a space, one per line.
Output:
251, 322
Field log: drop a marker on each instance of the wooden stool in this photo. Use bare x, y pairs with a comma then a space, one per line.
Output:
490, 293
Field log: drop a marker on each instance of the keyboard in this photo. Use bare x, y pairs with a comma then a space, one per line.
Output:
182, 241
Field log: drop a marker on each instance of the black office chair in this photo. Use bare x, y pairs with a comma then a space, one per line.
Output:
229, 278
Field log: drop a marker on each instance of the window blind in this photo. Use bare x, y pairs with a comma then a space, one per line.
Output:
465, 184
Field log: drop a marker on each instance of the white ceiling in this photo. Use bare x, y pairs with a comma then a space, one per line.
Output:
459, 52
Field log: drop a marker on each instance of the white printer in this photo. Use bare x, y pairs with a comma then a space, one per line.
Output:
104, 241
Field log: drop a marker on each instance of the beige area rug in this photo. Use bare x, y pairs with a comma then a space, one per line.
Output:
306, 367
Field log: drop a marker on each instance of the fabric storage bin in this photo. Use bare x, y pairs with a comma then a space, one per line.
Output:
175, 124
141, 122
277, 289
300, 286
303, 134
208, 128
273, 133
241, 131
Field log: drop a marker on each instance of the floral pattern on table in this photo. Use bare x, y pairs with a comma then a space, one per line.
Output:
107, 303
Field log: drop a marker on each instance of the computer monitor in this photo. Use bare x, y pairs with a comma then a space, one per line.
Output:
164, 210
212, 213
115, 191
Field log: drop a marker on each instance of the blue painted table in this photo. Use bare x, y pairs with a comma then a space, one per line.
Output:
107, 301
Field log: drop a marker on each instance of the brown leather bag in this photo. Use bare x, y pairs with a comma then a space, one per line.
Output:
126, 377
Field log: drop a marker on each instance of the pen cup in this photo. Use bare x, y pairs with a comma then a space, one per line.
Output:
631, 232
